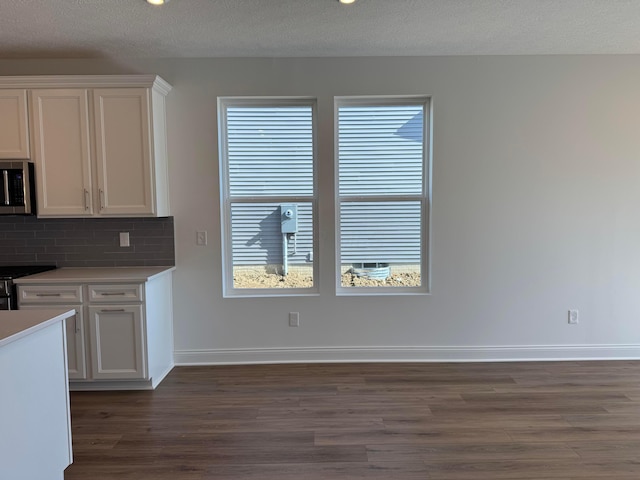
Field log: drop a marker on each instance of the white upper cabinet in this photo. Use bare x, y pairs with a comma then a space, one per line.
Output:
14, 124
123, 151
61, 150
99, 143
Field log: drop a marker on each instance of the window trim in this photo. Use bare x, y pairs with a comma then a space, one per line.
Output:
228, 289
425, 198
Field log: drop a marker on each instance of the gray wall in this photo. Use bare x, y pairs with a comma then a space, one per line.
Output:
86, 242
535, 209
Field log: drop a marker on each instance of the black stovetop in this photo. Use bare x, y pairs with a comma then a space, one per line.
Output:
8, 273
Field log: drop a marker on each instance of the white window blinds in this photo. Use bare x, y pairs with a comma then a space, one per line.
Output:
381, 181
270, 151
381, 149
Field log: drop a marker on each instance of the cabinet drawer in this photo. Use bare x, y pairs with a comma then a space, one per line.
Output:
47, 294
116, 293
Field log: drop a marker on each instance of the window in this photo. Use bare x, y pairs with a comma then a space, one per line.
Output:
383, 184
269, 204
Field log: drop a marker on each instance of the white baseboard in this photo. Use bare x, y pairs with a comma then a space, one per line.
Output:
406, 354
151, 384
110, 385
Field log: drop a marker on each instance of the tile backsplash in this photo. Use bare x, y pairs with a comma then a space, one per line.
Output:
86, 242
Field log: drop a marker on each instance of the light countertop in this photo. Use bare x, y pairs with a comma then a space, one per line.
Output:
16, 324
95, 274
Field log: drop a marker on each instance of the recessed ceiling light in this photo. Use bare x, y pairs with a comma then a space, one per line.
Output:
347, 2
157, 2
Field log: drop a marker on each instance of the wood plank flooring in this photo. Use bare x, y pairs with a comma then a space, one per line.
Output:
440, 421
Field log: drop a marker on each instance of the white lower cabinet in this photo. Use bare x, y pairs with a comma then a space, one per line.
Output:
35, 421
116, 337
121, 335
76, 349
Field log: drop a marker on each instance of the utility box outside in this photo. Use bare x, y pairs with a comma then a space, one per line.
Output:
289, 218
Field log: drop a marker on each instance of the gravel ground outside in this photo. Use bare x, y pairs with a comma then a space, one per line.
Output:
302, 277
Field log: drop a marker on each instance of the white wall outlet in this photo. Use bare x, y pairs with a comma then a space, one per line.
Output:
573, 317
201, 237
124, 239
294, 319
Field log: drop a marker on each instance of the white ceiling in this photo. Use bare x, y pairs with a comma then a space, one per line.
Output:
309, 28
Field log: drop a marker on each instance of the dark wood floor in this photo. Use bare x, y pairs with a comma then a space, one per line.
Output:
564, 421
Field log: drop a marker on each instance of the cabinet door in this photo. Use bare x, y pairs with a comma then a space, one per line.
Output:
14, 126
124, 151
76, 351
62, 152
118, 349
76, 348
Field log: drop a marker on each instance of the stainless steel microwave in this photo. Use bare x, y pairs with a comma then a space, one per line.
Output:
17, 192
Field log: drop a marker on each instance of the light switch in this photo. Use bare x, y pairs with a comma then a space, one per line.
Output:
201, 238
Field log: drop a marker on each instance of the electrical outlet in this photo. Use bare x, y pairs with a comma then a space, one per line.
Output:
294, 319
201, 238
124, 239
573, 317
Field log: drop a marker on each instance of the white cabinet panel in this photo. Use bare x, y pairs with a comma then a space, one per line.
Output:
117, 343
123, 151
76, 348
50, 294
35, 426
14, 124
61, 133
116, 293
